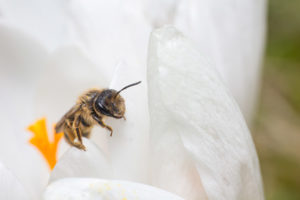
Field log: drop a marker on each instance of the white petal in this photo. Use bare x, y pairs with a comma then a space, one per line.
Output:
189, 100
231, 33
78, 163
172, 169
89, 189
111, 31
10, 187
21, 59
45, 20
128, 147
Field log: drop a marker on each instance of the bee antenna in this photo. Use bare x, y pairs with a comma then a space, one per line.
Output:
130, 85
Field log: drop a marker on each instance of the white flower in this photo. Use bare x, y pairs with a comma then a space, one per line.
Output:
197, 144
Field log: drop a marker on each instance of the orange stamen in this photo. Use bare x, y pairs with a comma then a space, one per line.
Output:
41, 141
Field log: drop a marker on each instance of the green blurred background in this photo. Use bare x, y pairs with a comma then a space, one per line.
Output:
276, 129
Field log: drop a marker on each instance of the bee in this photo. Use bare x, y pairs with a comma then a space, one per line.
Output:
90, 109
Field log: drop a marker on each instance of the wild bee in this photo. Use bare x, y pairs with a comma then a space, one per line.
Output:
90, 109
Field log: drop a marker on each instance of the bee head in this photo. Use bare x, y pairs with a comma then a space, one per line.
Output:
111, 103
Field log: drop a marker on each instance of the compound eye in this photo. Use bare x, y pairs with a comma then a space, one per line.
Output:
104, 110
101, 103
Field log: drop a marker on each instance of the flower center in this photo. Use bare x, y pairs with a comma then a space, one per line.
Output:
41, 141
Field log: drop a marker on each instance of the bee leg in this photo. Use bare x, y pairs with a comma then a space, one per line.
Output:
70, 137
102, 124
70, 134
80, 145
76, 127
110, 129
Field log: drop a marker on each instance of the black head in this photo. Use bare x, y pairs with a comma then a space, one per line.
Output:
110, 102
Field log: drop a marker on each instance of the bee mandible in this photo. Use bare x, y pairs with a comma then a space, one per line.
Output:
90, 109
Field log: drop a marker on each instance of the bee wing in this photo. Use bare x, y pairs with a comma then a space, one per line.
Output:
59, 126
